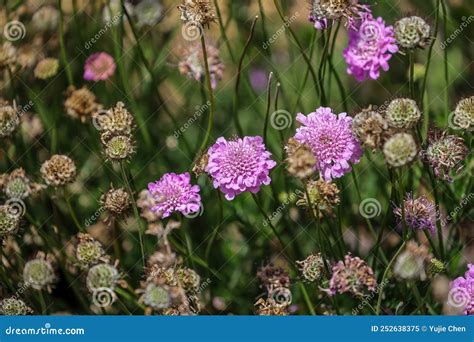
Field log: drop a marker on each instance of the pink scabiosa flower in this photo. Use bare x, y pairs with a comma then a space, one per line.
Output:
461, 292
174, 192
420, 213
99, 67
371, 45
239, 165
331, 139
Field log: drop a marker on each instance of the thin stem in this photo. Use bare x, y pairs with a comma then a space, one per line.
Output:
411, 56
73, 214
238, 126
446, 69
307, 299
141, 229
269, 99
385, 274
62, 48
212, 110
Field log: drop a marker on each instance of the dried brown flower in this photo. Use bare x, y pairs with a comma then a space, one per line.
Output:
58, 170
81, 103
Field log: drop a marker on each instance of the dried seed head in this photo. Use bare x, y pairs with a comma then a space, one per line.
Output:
39, 273
118, 147
102, 276
45, 19
88, 251
8, 56
46, 68
188, 279
312, 267
191, 65
197, 12
369, 127
300, 159
272, 277
352, 275
156, 297
464, 113
412, 32
116, 120
14, 307
9, 223
116, 201
9, 119
58, 170
201, 164
445, 153
402, 113
435, 267
322, 196
17, 185
145, 202
268, 307
81, 103
400, 149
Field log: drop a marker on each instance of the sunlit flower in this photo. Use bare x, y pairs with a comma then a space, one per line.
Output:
240, 165
174, 192
331, 139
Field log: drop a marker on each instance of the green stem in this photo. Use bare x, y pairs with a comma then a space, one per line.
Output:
385, 274
411, 56
267, 114
62, 48
212, 110
307, 299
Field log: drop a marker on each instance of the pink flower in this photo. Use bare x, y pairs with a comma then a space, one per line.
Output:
331, 140
99, 67
371, 45
239, 165
174, 192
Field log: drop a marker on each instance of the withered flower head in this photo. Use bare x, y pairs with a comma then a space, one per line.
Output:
9, 222
14, 307
39, 273
412, 32
445, 153
312, 267
9, 119
46, 68
201, 163
322, 196
269, 307
272, 277
412, 262
116, 120
116, 201
369, 127
89, 251
58, 170
8, 56
17, 185
118, 147
300, 159
81, 103
197, 12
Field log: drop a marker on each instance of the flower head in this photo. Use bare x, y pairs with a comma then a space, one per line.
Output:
156, 296
46, 68
9, 119
369, 127
322, 11
312, 267
46, 18
9, 222
17, 185
116, 201
240, 165
400, 149
88, 251
148, 12
118, 147
39, 272
197, 12
352, 275
192, 64
14, 307
412, 262
300, 159
321, 195
402, 113
462, 291
81, 103
331, 139
99, 67
102, 276
412, 32
420, 213
464, 113
371, 45
58, 170
445, 153
174, 192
